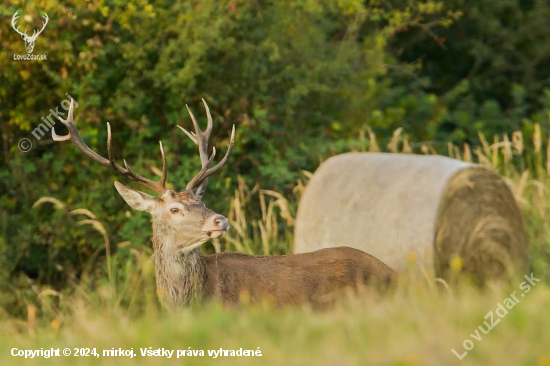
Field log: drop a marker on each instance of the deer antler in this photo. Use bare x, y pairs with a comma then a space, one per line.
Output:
15, 16
201, 138
73, 135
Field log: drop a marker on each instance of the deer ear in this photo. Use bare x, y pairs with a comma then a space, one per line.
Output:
137, 200
199, 191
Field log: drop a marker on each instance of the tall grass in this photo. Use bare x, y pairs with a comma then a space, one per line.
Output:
417, 324
271, 233
414, 325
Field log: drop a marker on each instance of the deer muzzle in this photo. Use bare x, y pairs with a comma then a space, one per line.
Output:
216, 226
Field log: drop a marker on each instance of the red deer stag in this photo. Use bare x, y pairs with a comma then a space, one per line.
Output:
181, 223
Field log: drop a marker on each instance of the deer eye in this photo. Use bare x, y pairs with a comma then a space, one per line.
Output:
174, 210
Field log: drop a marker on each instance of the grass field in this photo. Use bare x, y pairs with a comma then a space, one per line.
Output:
413, 326
417, 323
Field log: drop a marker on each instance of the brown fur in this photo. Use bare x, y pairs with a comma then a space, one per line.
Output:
184, 195
290, 279
479, 221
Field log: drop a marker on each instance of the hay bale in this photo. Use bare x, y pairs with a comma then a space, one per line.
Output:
390, 205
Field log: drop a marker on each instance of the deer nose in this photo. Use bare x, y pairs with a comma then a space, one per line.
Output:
220, 222
216, 226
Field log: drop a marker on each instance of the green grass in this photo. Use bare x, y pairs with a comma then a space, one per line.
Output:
414, 325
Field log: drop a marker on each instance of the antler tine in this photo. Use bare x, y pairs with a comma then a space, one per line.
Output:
74, 136
164, 174
200, 137
208, 131
222, 162
159, 187
202, 174
190, 134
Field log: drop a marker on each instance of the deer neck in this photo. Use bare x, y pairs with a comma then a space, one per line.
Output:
180, 272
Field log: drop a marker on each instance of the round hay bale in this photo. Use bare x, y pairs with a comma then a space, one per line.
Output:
390, 205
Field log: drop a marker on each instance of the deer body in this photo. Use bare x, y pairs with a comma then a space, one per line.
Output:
285, 280
181, 223
291, 279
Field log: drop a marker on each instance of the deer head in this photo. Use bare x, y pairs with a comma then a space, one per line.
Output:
181, 221
29, 41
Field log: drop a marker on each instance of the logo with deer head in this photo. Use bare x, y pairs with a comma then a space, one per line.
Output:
29, 40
